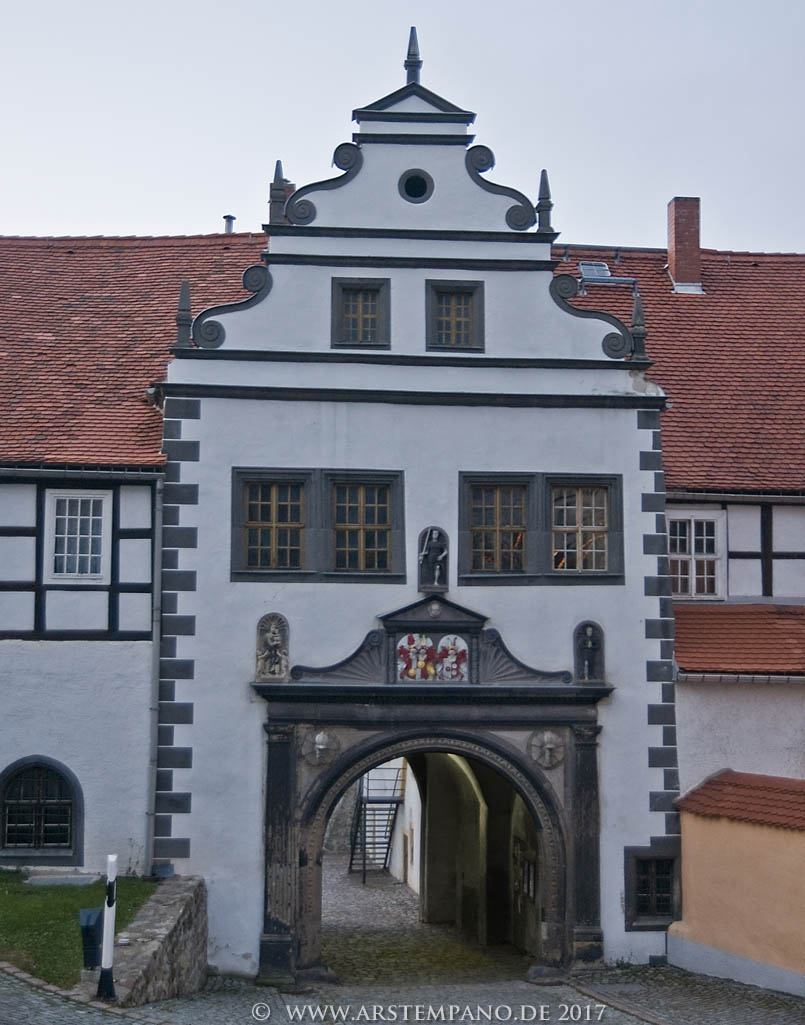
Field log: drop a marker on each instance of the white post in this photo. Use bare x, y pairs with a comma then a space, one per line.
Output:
106, 983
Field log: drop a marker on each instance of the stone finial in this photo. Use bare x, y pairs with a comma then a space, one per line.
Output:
413, 63
638, 328
278, 193
544, 204
184, 320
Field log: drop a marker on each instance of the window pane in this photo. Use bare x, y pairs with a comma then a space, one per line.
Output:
274, 527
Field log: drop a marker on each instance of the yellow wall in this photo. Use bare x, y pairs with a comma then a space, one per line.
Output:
743, 889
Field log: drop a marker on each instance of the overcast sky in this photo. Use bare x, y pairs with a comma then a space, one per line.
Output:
159, 117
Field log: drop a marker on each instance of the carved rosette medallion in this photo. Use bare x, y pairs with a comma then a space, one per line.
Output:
272, 649
319, 747
546, 748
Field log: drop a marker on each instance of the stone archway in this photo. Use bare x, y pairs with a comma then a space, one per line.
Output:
535, 792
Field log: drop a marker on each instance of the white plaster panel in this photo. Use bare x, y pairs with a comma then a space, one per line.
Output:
86, 690
788, 528
328, 621
135, 560
324, 246
372, 199
788, 578
521, 318
17, 505
746, 727
134, 611
16, 610
369, 127
77, 610
17, 558
743, 528
745, 578
135, 507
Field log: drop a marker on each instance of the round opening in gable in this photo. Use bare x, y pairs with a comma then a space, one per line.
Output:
416, 186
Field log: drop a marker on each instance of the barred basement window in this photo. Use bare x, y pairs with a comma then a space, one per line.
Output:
579, 528
654, 886
77, 537
274, 525
362, 524
454, 312
498, 528
693, 547
37, 810
360, 313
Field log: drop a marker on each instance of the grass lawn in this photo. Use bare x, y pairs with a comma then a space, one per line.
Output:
39, 930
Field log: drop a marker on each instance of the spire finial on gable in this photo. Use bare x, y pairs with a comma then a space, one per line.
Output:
412, 63
278, 175
544, 205
638, 327
183, 317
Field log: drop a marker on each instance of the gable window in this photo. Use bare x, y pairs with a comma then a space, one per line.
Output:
579, 528
362, 524
455, 315
307, 525
530, 528
695, 559
360, 313
498, 527
77, 537
274, 525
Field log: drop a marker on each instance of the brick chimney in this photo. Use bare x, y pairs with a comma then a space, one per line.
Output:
684, 255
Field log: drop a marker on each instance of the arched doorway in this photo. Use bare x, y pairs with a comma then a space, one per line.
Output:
502, 727
478, 797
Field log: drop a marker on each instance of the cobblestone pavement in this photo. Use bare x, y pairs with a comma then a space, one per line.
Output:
394, 969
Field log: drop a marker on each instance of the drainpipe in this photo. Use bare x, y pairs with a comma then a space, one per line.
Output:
156, 633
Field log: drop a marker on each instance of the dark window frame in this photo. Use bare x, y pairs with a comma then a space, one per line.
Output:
319, 526
337, 333
72, 855
539, 525
661, 849
434, 286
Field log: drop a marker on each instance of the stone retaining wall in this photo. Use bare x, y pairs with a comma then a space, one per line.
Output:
166, 955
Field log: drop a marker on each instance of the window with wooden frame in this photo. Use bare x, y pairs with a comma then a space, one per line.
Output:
308, 525
37, 811
498, 528
455, 315
78, 533
274, 524
362, 526
696, 562
654, 886
360, 313
579, 528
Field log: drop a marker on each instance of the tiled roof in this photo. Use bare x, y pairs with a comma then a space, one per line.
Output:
88, 322
732, 362
86, 327
746, 797
763, 639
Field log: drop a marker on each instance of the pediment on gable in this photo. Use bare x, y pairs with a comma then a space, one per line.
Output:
413, 98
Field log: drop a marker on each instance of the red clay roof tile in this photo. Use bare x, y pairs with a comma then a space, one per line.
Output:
763, 639
86, 329
746, 797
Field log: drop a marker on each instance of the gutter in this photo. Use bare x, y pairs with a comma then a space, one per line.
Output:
156, 633
740, 678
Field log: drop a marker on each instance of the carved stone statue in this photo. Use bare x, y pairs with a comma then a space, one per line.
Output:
589, 648
433, 567
272, 648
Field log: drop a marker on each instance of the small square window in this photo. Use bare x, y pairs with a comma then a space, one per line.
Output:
455, 315
360, 313
77, 537
652, 886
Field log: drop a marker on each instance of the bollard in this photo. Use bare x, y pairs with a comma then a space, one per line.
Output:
106, 982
